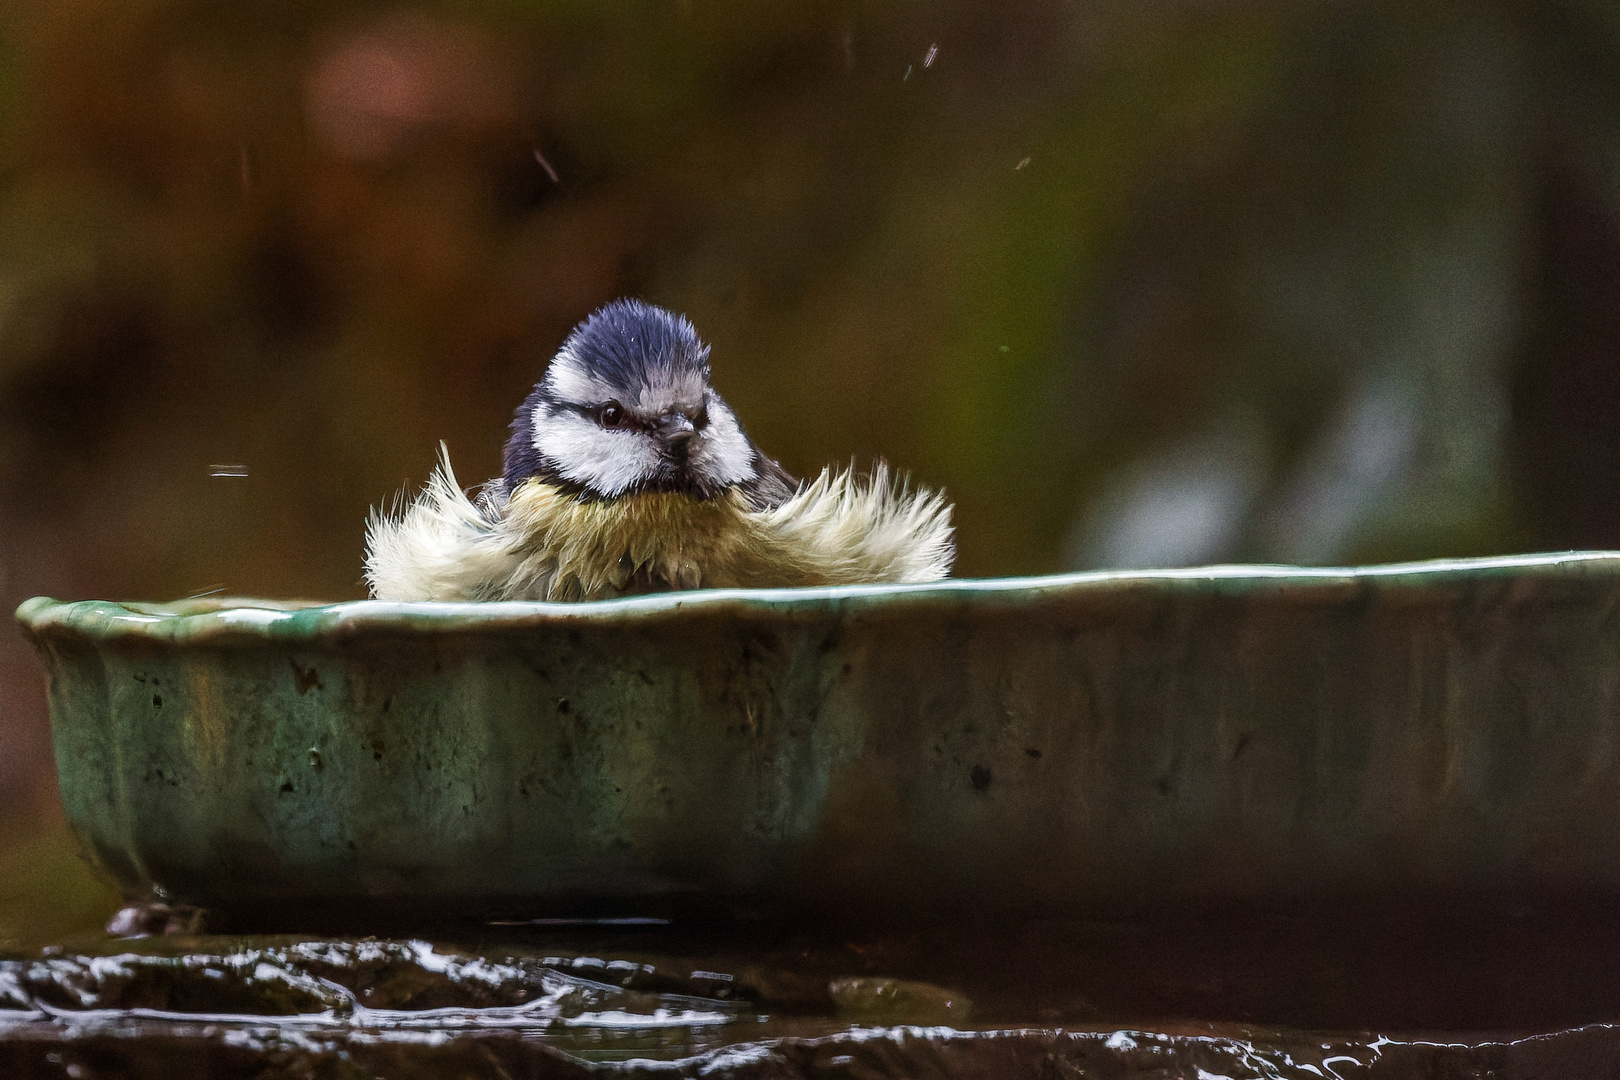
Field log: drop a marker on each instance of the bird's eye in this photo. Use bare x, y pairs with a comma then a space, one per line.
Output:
612, 415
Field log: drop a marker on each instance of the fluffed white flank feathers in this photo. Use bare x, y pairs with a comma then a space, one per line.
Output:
442, 547
545, 544
870, 530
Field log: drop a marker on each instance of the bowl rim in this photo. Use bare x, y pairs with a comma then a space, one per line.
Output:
217, 617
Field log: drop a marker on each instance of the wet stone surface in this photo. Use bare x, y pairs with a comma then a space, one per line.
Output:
1287, 999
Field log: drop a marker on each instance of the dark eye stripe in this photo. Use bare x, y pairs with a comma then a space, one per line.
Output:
594, 413
631, 421
624, 420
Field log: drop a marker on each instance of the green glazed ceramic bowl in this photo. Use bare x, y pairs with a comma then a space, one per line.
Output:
1042, 746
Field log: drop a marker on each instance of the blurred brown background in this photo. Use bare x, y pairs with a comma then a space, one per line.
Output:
1138, 284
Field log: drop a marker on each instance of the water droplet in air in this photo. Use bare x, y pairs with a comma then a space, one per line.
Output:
546, 165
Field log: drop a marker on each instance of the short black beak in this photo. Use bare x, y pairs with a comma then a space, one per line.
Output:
677, 433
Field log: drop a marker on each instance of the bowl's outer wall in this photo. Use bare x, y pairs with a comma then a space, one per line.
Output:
1053, 749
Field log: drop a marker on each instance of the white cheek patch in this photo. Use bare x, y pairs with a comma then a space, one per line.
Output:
723, 455
608, 462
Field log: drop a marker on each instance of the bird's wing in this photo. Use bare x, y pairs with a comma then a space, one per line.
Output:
771, 485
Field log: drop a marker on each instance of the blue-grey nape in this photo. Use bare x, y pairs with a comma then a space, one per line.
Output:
521, 460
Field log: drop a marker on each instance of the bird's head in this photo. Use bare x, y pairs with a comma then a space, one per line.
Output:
626, 407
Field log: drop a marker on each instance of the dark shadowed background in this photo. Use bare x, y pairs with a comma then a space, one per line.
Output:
1137, 283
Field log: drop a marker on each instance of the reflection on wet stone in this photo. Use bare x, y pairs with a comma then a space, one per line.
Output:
897, 1001
183, 1006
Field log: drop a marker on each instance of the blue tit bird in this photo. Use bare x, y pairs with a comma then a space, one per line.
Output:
627, 473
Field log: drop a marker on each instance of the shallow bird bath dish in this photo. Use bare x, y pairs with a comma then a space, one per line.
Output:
1040, 746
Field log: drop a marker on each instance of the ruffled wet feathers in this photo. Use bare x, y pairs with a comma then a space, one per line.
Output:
626, 472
